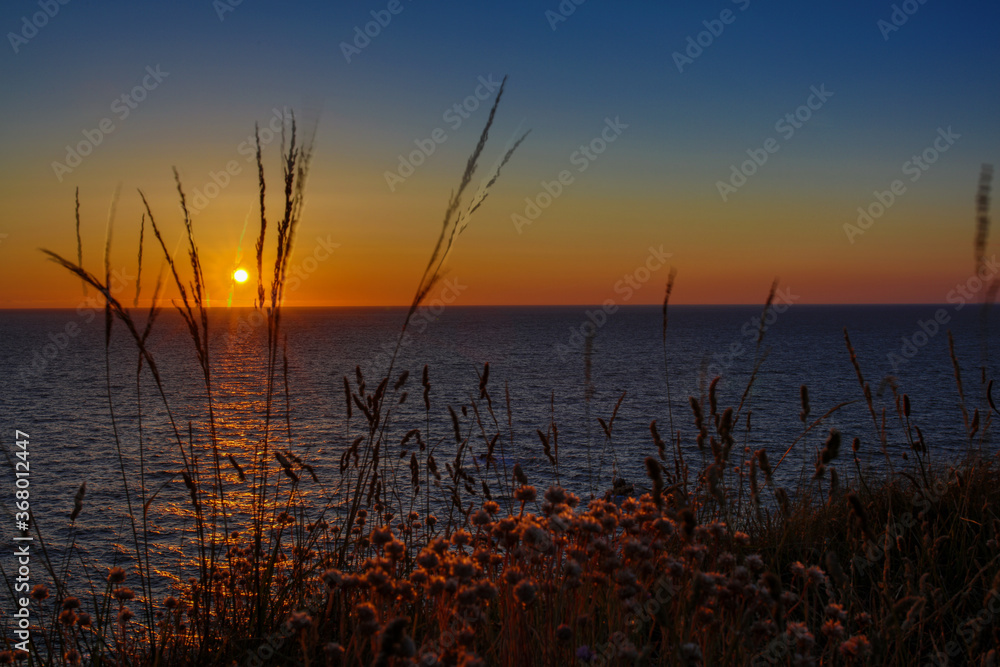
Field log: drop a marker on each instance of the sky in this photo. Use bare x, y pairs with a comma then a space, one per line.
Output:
734, 141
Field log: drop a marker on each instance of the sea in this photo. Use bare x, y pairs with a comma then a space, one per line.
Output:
85, 402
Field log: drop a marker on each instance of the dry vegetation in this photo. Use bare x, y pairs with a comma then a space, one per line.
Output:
462, 564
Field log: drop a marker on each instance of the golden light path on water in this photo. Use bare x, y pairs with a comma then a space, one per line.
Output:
239, 392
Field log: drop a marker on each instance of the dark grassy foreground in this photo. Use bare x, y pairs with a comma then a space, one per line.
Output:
429, 558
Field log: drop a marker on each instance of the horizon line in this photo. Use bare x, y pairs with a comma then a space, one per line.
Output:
524, 305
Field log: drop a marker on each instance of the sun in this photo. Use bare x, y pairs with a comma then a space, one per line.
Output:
240, 275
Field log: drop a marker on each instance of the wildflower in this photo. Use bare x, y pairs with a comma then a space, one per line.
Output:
381, 536
116, 575
40, 592
83, 620
764, 629
556, 495
335, 652
754, 562
803, 660
6, 657
299, 621
664, 527
691, 652
464, 569
564, 633
67, 617
367, 618
365, 612
836, 611
123, 594
377, 578
427, 559
833, 629
460, 538
395, 642
395, 549
696, 553
71, 603
741, 575
855, 647
788, 598
467, 596
526, 592
816, 575
535, 536
800, 633
487, 591
333, 578
482, 557
525, 494
627, 650
125, 615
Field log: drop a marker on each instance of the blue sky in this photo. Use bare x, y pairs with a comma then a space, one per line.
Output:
659, 183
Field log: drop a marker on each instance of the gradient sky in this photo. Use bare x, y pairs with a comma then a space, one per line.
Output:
655, 185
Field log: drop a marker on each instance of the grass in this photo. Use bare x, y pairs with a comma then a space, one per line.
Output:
432, 558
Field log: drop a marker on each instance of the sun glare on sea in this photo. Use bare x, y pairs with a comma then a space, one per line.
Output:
240, 275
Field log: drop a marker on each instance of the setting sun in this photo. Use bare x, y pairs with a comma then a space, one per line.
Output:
240, 275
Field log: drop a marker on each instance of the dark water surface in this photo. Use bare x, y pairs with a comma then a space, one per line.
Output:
54, 387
